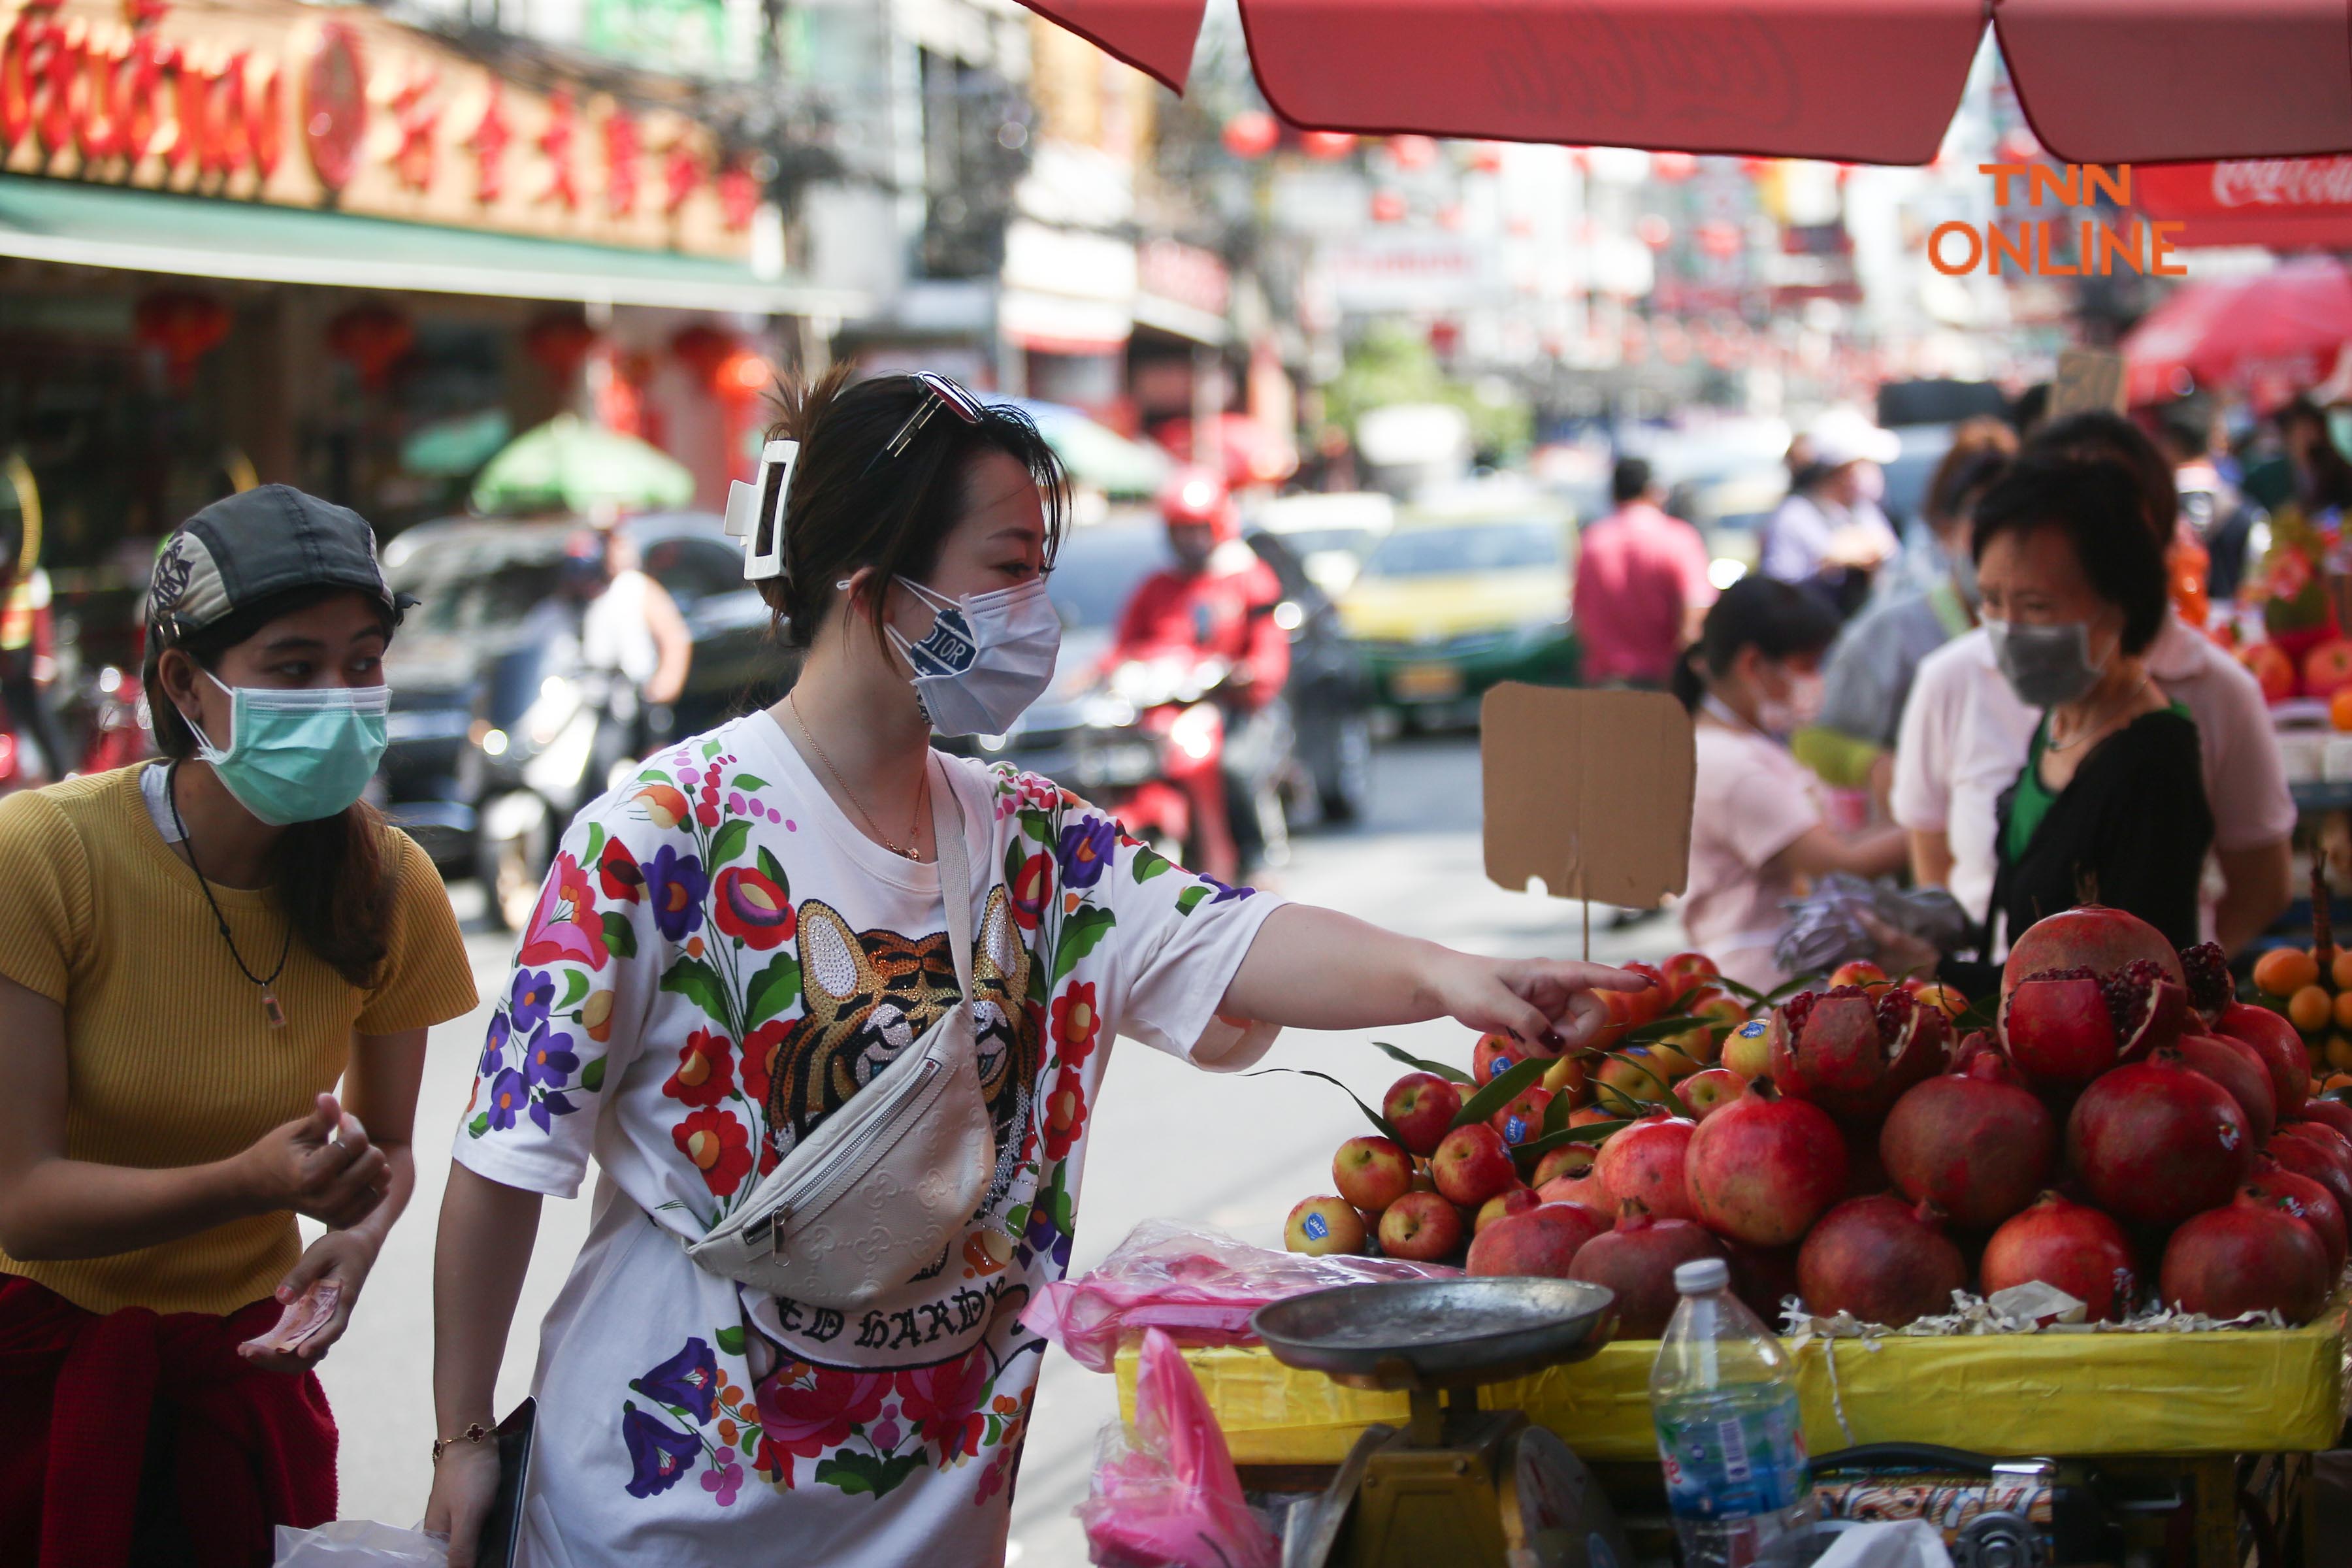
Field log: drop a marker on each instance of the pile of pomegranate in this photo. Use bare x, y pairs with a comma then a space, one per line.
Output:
2127, 1133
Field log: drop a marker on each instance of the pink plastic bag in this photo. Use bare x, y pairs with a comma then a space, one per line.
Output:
1169, 1496
1199, 1285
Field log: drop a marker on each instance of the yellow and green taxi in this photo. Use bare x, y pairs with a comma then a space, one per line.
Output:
1461, 594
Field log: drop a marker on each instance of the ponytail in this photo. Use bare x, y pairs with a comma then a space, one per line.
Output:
1778, 619
333, 876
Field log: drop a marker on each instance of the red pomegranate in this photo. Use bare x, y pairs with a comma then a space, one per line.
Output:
2330, 1112
2281, 1049
2154, 1141
1645, 1160
2068, 1025
1978, 1143
1637, 1261
2249, 1255
2321, 1135
2307, 1158
2090, 936
2206, 970
1883, 1258
2069, 1244
1763, 1168
1852, 1052
2239, 1069
1763, 1277
1542, 1241
2310, 1201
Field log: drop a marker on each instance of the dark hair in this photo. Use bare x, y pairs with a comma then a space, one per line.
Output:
2095, 504
846, 511
2331, 473
334, 877
2031, 408
1981, 449
1629, 480
2186, 425
1778, 619
2096, 434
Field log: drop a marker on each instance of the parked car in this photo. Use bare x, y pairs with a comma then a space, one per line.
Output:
1467, 592
1331, 533
1094, 577
476, 580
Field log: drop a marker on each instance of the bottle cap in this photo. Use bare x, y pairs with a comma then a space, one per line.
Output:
1701, 1275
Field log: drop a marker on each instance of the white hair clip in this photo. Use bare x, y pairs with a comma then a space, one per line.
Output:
755, 511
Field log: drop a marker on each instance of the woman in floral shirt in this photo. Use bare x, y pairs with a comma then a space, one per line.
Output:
735, 940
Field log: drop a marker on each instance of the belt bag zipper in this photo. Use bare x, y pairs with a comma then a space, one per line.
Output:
880, 1129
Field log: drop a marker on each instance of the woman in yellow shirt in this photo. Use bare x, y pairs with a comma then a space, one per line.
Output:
195, 953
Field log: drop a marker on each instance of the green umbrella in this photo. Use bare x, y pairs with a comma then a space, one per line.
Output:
569, 465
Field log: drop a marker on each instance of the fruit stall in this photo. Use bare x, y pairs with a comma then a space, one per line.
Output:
2097, 1221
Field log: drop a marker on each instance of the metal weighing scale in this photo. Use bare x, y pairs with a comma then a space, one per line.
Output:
1456, 1484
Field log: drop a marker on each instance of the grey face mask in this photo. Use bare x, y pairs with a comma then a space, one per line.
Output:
2045, 666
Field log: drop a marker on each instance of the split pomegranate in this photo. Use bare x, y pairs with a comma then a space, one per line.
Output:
1645, 1160
1883, 1258
2089, 936
2251, 1255
1976, 1144
2281, 1049
2306, 1158
2309, 1201
1763, 1168
2068, 1025
1852, 1051
2070, 1246
2207, 970
1637, 1260
2239, 1069
2154, 1141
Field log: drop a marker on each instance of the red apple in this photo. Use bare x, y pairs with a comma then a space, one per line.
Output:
1421, 1106
1494, 1056
1586, 1190
1859, 972
1748, 1049
1541, 1241
1509, 1201
1522, 1116
1631, 1009
1710, 1092
1587, 1115
1636, 1076
1472, 1165
1683, 972
2326, 667
1722, 1012
2272, 668
1567, 1076
1936, 994
1371, 1171
1568, 1160
1422, 1227
1319, 1226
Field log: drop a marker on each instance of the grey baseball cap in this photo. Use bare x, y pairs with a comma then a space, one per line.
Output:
254, 545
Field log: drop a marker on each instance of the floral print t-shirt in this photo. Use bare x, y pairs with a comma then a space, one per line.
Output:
720, 958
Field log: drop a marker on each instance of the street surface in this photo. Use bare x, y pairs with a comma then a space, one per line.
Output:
1168, 1141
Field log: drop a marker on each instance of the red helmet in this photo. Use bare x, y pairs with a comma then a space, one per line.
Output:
1193, 495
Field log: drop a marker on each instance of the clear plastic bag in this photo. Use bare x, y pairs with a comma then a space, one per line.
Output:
1830, 925
1200, 1285
359, 1543
1167, 1496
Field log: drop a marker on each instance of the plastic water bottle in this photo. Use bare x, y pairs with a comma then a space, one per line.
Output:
1725, 1398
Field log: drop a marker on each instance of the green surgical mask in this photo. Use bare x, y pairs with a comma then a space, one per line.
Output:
301, 754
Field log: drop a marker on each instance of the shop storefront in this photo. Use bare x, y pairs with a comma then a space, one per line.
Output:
264, 240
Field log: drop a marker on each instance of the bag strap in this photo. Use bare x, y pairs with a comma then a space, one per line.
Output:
955, 871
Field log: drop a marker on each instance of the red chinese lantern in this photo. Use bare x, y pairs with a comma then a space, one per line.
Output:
370, 339
1486, 157
1252, 133
185, 325
1673, 167
742, 374
1653, 230
703, 348
1412, 151
1387, 207
558, 343
1327, 144
1719, 238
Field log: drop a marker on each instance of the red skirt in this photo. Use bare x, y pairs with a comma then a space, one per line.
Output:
246, 1449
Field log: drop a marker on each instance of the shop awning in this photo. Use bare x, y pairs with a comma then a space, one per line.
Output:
194, 237
1863, 80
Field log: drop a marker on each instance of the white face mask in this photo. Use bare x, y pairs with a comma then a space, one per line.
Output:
1784, 716
985, 659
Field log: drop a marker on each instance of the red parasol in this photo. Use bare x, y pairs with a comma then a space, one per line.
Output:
2267, 335
1862, 80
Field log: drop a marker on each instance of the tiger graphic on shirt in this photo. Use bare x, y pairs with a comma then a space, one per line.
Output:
867, 996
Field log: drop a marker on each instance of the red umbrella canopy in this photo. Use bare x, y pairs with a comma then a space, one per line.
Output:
1859, 80
2266, 335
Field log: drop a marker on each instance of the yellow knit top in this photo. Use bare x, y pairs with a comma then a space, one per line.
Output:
170, 1057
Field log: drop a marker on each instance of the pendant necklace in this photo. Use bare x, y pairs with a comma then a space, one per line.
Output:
270, 1008
922, 793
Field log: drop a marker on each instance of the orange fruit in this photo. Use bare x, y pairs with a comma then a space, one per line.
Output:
2340, 972
2283, 971
2340, 1052
2339, 708
2344, 1009
2309, 1009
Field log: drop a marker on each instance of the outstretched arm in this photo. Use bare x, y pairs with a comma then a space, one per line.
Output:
1313, 968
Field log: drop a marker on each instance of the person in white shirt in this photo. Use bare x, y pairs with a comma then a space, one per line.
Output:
1830, 534
1965, 735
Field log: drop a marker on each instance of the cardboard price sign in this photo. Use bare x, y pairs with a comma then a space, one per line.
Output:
1589, 791
2088, 379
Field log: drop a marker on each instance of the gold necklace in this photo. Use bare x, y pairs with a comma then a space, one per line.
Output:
923, 792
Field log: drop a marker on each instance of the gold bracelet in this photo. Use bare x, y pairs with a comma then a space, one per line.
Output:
475, 1432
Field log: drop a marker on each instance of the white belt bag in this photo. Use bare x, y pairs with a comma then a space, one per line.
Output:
877, 1191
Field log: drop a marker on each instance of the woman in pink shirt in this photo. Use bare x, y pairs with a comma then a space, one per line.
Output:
1757, 829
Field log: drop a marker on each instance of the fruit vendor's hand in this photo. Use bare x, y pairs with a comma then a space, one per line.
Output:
1318, 969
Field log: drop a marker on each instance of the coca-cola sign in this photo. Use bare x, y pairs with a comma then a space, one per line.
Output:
2290, 203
